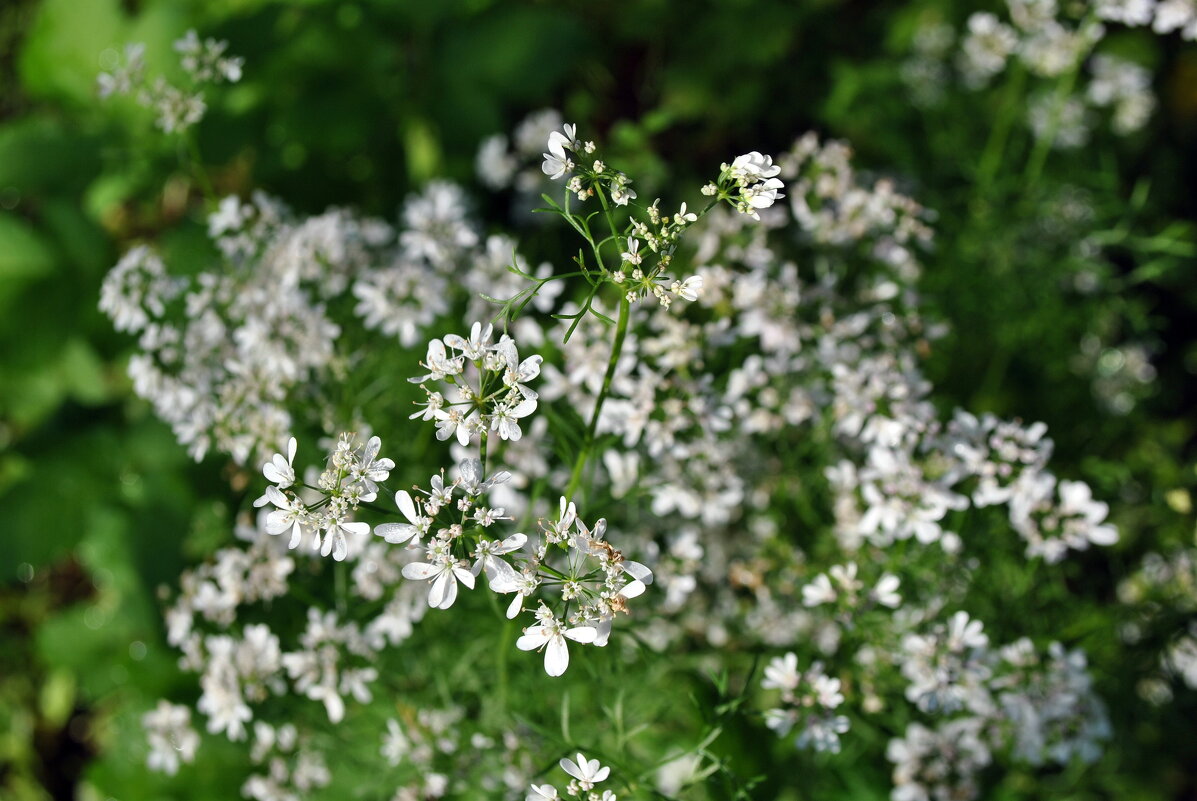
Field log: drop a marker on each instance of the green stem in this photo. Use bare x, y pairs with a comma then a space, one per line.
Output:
197, 168
1043, 145
582, 227
602, 196
991, 158
621, 332
340, 586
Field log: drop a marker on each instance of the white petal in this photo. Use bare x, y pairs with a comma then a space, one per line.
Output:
570, 767
501, 576
582, 634
604, 632
633, 589
444, 590
516, 606
417, 571
278, 521
512, 543
292, 446
334, 705
340, 548
395, 532
272, 472
406, 506
276, 497
637, 570
360, 529
535, 637
556, 657
464, 576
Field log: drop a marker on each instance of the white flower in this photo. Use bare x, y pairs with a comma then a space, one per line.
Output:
965, 633
290, 514
818, 591
501, 575
588, 772
371, 469
525, 584
1076, 499
632, 254
454, 423
518, 373
543, 792
762, 195
472, 480
551, 635
280, 471
688, 289
886, 591
556, 162
395, 744
476, 346
621, 193
755, 175
443, 576
782, 673
506, 418
334, 540
827, 691
986, 47
754, 166
417, 524
641, 578
171, 738
558, 530
438, 363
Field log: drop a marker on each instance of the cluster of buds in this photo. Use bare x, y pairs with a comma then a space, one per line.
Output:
661, 233
583, 181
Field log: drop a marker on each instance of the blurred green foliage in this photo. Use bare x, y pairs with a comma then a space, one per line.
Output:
358, 103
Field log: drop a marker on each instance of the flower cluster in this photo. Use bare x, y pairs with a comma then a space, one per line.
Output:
584, 774
177, 108
487, 386
1049, 41
749, 183
809, 699
581, 580
171, 739
350, 479
799, 348
290, 768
